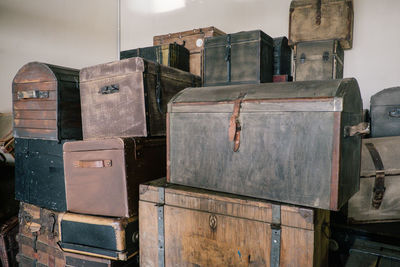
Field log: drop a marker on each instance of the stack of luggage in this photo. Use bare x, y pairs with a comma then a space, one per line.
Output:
200, 150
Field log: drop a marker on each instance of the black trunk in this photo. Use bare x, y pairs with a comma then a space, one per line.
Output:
39, 173
172, 55
385, 113
243, 57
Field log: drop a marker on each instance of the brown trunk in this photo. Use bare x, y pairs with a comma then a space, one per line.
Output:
313, 20
128, 98
102, 176
193, 40
205, 228
46, 102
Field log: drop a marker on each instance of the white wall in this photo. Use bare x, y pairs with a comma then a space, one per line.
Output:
374, 59
72, 33
78, 33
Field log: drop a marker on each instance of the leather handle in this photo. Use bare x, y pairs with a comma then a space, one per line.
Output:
363, 128
109, 89
35, 94
395, 113
92, 163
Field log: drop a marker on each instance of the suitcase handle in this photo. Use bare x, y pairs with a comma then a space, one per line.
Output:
109, 89
32, 94
92, 163
395, 113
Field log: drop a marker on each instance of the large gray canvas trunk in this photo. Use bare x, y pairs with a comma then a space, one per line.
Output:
243, 57
378, 199
385, 113
318, 60
293, 141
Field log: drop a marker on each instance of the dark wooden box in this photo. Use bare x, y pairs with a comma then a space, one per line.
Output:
128, 98
39, 173
378, 199
193, 40
312, 20
104, 237
46, 102
289, 142
8, 243
243, 57
78, 260
102, 176
172, 55
318, 60
38, 237
385, 113
184, 226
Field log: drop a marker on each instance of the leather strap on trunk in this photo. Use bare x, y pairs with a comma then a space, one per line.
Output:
234, 123
379, 186
228, 57
92, 163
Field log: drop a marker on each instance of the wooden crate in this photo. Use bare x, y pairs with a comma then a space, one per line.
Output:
183, 226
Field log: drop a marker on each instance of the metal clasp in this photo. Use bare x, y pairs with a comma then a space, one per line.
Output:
363, 128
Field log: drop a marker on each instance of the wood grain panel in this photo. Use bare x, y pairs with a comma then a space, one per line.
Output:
35, 105
35, 114
36, 124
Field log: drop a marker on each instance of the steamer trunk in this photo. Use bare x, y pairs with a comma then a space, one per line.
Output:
385, 113
368, 253
193, 40
319, 60
312, 20
173, 55
290, 142
243, 57
132, 95
39, 173
46, 102
8, 243
77, 260
282, 57
38, 237
104, 237
378, 199
102, 176
183, 226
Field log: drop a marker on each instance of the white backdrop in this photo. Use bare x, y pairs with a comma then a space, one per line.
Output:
374, 60
79, 33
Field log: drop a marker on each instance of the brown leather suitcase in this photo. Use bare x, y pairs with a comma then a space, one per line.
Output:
314, 20
193, 40
8, 243
129, 97
102, 176
38, 237
185, 226
46, 102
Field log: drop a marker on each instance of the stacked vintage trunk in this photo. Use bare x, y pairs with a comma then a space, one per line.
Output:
123, 123
235, 193
46, 107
